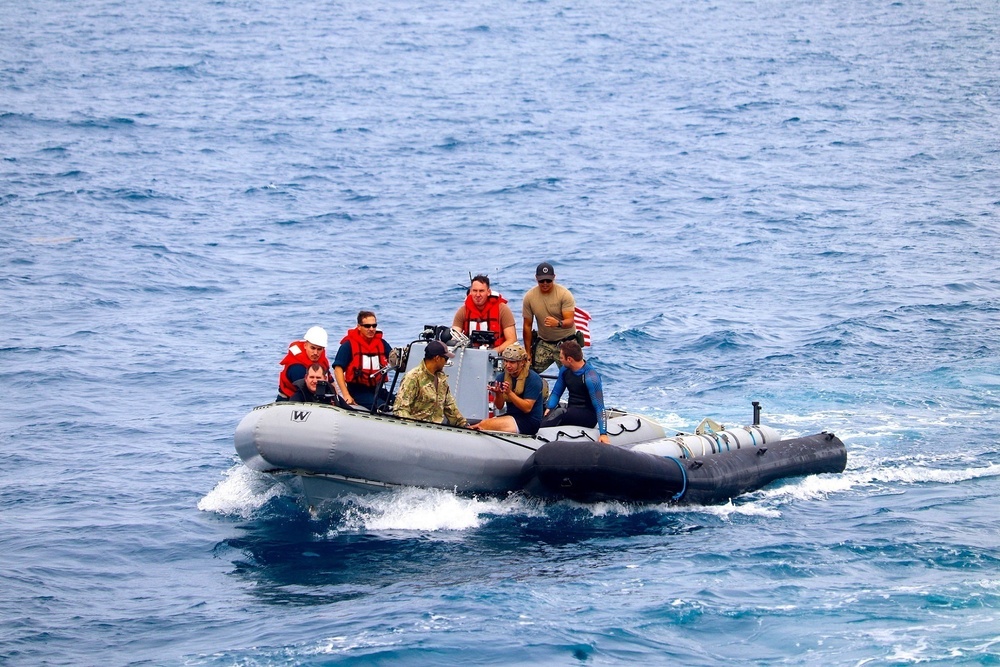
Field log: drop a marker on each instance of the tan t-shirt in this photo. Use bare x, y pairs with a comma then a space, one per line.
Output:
560, 300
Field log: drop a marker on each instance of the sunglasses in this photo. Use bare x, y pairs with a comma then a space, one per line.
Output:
544, 281
369, 326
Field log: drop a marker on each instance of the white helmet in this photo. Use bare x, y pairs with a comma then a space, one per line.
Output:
316, 336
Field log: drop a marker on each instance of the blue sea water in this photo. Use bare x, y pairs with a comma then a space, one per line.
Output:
788, 201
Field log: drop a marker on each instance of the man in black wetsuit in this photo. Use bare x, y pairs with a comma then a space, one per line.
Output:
585, 406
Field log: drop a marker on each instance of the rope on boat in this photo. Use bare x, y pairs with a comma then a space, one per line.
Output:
493, 434
684, 476
626, 429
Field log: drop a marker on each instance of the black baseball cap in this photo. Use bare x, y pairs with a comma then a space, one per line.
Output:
545, 270
436, 348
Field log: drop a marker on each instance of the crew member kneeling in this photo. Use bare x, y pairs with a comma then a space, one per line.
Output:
313, 388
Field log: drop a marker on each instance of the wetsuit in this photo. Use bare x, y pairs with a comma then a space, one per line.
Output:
585, 405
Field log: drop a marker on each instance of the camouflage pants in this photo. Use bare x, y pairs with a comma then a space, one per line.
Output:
546, 354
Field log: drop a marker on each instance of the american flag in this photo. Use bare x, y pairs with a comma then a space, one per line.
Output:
581, 319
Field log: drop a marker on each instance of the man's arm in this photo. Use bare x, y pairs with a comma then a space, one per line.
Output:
509, 337
527, 315
458, 322
451, 412
508, 328
520, 402
404, 397
595, 387
340, 362
338, 374
568, 320
500, 398
557, 391
526, 336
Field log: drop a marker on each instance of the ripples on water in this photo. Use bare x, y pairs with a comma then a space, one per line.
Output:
788, 202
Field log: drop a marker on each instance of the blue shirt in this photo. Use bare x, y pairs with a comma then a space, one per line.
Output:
532, 390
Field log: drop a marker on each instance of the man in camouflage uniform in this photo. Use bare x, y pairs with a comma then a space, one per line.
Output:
424, 393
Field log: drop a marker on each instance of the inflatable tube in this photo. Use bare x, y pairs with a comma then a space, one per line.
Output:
589, 472
688, 446
336, 450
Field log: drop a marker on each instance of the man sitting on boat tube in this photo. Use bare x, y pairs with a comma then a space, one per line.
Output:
300, 356
485, 310
585, 406
520, 389
361, 358
424, 393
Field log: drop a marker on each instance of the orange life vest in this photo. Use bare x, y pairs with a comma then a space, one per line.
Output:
297, 355
485, 319
367, 357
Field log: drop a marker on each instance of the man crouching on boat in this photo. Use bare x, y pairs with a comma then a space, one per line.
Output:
585, 405
313, 388
424, 393
520, 389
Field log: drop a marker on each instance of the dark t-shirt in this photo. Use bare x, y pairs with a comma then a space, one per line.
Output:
532, 390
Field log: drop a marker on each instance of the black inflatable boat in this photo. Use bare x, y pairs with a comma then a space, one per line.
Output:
590, 472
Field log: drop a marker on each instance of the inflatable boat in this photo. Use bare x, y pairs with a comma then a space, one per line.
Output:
332, 451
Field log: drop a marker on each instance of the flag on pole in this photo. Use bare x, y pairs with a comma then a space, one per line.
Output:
581, 319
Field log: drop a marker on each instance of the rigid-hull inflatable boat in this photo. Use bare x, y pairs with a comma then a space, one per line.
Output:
337, 450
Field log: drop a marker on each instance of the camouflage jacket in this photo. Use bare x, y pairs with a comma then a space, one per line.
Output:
426, 396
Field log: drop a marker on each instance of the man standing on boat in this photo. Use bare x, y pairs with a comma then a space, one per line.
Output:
552, 307
585, 405
360, 360
520, 389
424, 393
300, 356
485, 310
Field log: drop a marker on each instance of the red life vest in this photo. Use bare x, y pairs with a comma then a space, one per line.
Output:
485, 319
297, 355
367, 357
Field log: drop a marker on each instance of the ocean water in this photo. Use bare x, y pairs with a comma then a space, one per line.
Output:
786, 201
